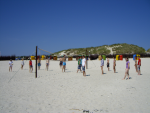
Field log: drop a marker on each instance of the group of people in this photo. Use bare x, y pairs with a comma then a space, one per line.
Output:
102, 64
47, 63
11, 64
137, 66
63, 63
81, 64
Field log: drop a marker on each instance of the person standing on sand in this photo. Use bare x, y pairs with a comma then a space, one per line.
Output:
83, 66
22, 64
10, 65
39, 63
108, 63
64, 63
102, 64
47, 63
79, 64
114, 65
61, 62
127, 68
30, 66
136, 64
139, 65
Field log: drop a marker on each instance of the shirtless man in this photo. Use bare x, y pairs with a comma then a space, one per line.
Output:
39, 63
114, 65
64, 63
136, 64
10, 64
108, 63
61, 62
47, 64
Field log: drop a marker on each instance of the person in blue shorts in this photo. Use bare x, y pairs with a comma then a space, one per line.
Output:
64, 63
39, 63
83, 66
79, 64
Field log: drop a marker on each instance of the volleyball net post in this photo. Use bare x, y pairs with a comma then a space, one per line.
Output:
36, 63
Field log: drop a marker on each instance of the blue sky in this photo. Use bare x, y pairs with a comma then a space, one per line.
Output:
55, 25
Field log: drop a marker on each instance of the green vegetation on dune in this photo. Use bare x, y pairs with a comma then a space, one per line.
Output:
148, 50
105, 49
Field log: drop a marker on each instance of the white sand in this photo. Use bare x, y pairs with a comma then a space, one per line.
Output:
70, 92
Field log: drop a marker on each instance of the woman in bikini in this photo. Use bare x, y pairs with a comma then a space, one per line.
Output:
127, 68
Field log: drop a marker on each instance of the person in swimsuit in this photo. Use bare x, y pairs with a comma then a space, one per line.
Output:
102, 64
22, 64
10, 64
136, 64
127, 68
108, 63
114, 65
64, 63
47, 63
139, 65
39, 63
61, 62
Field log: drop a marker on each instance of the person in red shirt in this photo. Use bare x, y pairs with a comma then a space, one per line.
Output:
30, 65
139, 65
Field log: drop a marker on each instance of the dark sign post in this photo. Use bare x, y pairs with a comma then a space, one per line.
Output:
36, 63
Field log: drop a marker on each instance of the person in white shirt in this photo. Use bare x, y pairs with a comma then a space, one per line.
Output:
10, 64
102, 64
83, 66
22, 64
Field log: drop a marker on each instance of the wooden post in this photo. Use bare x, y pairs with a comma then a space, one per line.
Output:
86, 60
36, 64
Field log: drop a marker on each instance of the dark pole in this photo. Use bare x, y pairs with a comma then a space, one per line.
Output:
86, 60
36, 64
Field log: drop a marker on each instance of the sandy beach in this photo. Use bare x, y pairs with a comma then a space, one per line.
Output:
70, 92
